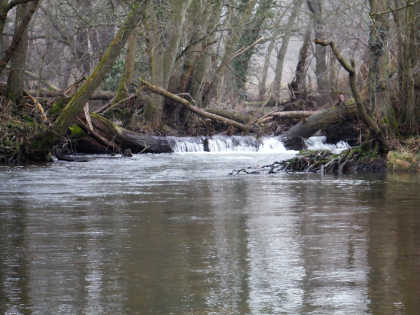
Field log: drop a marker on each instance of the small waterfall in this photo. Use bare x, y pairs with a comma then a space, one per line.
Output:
227, 144
244, 144
232, 144
187, 144
319, 143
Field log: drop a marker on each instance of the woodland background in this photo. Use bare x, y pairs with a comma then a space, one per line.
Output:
224, 57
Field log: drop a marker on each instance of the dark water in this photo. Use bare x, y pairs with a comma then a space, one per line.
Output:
174, 234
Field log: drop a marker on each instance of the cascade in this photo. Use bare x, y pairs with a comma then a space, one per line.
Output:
243, 144
320, 143
227, 144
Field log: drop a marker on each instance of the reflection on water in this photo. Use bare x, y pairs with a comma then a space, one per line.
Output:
173, 234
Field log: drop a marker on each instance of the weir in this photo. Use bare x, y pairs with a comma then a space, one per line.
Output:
231, 144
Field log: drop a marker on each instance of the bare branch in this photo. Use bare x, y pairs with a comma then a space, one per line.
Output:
245, 49
408, 5
350, 68
337, 54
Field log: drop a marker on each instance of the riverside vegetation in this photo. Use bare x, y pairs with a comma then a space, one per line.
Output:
124, 93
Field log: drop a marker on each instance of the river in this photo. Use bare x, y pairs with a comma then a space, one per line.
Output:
176, 234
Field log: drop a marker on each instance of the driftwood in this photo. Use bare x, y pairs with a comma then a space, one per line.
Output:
318, 121
199, 111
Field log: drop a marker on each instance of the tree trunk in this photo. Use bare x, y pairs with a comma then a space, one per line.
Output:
120, 139
125, 81
262, 88
81, 42
321, 72
38, 147
234, 23
378, 130
379, 74
249, 34
417, 62
16, 76
3, 21
298, 86
17, 37
162, 50
281, 54
408, 50
262, 84
200, 76
318, 121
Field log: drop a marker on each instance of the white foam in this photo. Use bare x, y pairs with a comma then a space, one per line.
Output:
319, 143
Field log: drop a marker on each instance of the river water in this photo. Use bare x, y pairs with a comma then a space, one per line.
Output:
176, 234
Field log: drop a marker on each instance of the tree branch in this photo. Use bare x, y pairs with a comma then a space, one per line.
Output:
245, 49
350, 68
410, 4
191, 107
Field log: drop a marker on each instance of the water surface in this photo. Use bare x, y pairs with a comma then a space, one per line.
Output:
175, 234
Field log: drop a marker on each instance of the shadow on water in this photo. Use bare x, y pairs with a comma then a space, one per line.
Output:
174, 234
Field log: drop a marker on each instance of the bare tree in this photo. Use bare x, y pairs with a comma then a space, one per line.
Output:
38, 147
281, 54
316, 8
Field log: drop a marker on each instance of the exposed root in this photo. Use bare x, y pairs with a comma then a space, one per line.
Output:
323, 162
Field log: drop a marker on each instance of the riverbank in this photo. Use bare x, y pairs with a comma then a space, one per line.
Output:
17, 127
14, 130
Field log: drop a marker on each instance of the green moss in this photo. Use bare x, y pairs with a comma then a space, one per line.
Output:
59, 105
76, 131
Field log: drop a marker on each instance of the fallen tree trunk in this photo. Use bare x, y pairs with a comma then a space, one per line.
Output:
199, 111
117, 139
286, 114
293, 138
242, 118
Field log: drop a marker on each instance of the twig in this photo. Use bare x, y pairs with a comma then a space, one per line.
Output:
110, 105
40, 108
245, 49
